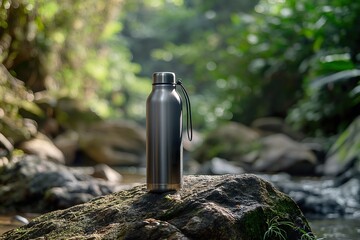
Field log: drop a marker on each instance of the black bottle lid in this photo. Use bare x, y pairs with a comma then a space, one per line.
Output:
164, 78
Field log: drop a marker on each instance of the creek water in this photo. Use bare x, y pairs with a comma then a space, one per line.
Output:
336, 229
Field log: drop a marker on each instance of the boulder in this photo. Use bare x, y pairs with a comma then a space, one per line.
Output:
68, 143
114, 143
42, 147
280, 153
72, 113
208, 207
105, 172
345, 152
318, 147
244, 148
31, 184
229, 141
273, 125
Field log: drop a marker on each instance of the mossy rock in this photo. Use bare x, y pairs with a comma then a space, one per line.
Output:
207, 207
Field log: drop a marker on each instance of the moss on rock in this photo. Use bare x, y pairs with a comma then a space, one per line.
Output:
208, 207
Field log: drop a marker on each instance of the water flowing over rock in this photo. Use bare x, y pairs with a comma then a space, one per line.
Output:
319, 198
208, 207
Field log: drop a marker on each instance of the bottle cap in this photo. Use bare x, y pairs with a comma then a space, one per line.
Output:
164, 78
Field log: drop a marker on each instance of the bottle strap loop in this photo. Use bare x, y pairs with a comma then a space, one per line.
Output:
188, 110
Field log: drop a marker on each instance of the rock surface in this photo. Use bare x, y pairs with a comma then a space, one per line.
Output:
30, 184
208, 207
280, 153
42, 147
273, 125
68, 143
229, 141
114, 143
105, 172
267, 152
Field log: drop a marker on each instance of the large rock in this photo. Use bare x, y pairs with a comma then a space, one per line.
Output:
280, 153
103, 171
68, 144
30, 184
273, 125
244, 147
345, 152
114, 143
42, 147
229, 141
71, 113
208, 207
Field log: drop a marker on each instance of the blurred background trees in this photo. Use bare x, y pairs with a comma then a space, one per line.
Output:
59, 53
298, 60
248, 60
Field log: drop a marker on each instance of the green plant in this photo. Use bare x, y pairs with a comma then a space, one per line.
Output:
275, 230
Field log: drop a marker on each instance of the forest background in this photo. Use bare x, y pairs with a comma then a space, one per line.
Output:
297, 60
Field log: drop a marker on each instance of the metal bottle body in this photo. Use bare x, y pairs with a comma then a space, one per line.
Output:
164, 150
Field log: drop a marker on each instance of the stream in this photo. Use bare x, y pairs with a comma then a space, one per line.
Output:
336, 229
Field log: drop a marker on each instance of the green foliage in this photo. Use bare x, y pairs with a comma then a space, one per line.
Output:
14, 96
91, 63
274, 231
189, 38
251, 59
66, 49
329, 105
347, 145
240, 60
285, 45
331, 98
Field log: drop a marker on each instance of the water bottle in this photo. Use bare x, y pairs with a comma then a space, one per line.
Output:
164, 148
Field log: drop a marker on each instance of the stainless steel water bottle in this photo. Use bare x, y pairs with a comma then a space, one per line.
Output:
164, 149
